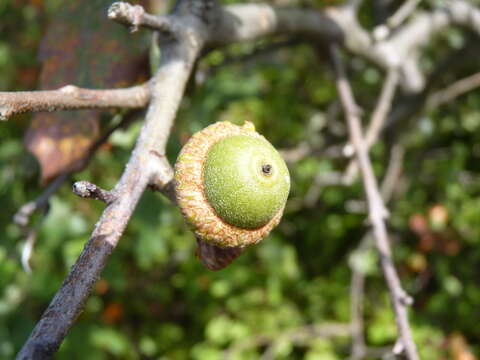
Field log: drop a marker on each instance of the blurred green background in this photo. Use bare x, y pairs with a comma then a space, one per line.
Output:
156, 301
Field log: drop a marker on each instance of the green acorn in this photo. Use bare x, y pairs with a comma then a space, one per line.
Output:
231, 185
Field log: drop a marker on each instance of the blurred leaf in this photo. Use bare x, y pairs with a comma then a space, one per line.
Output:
81, 47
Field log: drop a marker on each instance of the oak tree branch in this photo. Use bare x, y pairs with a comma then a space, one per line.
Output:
135, 16
377, 210
71, 97
167, 89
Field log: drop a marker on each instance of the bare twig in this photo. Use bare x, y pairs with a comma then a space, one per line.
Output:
86, 189
23, 215
382, 108
393, 172
167, 90
244, 22
357, 287
71, 97
453, 91
413, 35
377, 210
299, 335
375, 126
304, 335
357, 292
135, 16
255, 54
402, 13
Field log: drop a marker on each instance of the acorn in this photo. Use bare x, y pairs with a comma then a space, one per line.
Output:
231, 186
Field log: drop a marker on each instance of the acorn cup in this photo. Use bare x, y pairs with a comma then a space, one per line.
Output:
231, 186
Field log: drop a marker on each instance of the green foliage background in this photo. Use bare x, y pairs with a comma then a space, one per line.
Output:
156, 301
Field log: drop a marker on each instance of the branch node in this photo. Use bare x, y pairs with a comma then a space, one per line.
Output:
405, 299
69, 89
135, 16
86, 189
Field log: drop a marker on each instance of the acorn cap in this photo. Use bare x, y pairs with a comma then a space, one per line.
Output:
231, 185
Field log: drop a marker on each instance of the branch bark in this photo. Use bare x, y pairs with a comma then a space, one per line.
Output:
167, 89
377, 210
71, 97
375, 126
453, 91
135, 16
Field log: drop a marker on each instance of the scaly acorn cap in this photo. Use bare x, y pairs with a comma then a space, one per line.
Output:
231, 185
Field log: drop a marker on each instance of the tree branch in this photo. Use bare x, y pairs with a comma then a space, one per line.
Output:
404, 11
377, 210
23, 215
251, 21
299, 335
396, 51
71, 97
357, 285
453, 91
379, 116
167, 89
86, 189
135, 16
245, 22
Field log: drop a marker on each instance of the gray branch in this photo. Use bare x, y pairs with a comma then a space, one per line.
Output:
379, 116
376, 208
167, 89
135, 16
71, 97
86, 189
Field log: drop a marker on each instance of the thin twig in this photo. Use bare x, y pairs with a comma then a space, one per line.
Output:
244, 59
299, 335
71, 97
86, 189
403, 12
393, 172
453, 91
375, 126
357, 292
135, 16
22, 217
357, 287
377, 210
382, 108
